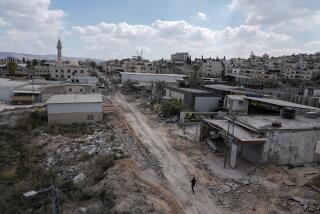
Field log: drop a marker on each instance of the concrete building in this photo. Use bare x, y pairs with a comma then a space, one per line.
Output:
85, 80
261, 138
67, 71
74, 108
268, 136
195, 99
211, 69
236, 104
182, 56
149, 77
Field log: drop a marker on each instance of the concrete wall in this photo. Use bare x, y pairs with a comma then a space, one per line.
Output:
149, 78
74, 108
235, 105
177, 95
204, 104
291, 146
6, 93
69, 118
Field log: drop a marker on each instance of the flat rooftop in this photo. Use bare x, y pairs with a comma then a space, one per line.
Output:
281, 103
264, 122
75, 98
239, 132
192, 90
226, 88
11, 83
153, 74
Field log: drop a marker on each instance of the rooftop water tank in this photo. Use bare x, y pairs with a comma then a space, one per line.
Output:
288, 113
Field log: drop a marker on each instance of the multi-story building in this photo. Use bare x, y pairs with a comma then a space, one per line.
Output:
182, 56
211, 69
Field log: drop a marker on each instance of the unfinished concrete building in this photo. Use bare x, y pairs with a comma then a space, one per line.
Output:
271, 135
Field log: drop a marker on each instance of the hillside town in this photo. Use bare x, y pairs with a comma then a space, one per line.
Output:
128, 135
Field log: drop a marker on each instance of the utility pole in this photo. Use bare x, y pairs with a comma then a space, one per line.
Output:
225, 148
55, 201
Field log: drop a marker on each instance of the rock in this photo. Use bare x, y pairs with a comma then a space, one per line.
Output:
83, 209
249, 191
80, 177
226, 189
233, 186
244, 181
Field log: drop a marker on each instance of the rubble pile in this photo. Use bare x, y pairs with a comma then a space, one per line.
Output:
70, 156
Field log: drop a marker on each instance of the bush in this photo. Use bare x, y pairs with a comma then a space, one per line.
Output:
171, 107
102, 163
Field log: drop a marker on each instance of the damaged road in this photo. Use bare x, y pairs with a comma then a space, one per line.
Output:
176, 168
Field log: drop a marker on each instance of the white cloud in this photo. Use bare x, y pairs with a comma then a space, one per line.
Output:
29, 25
284, 13
161, 38
200, 16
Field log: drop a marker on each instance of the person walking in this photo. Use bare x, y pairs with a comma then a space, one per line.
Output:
193, 184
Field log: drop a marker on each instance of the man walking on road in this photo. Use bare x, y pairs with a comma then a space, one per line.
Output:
193, 183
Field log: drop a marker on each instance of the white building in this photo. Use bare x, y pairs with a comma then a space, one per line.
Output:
236, 104
67, 71
74, 108
211, 69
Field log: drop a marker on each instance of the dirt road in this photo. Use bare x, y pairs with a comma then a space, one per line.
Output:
177, 169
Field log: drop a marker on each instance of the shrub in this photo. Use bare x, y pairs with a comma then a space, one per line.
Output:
104, 162
171, 107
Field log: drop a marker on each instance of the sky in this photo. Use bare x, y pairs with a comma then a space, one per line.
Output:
106, 29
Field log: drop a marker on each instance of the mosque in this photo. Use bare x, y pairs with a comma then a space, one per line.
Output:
61, 70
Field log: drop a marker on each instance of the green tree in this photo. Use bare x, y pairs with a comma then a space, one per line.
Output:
35, 62
12, 67
195, 75
171, 107
93, 64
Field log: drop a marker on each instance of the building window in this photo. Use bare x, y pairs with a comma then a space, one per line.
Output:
75, 71
240, 102
56, 70
57, 76
90, 117
68, 71
82, 71
70, 89
81, 90
93, 91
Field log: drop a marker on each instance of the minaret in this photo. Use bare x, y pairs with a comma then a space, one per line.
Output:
59, 48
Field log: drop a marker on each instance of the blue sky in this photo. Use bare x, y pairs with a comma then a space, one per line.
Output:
108, 29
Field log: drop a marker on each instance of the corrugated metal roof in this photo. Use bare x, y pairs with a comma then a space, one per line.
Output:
75, 98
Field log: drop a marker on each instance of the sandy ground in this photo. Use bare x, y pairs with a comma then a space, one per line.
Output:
176, 168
